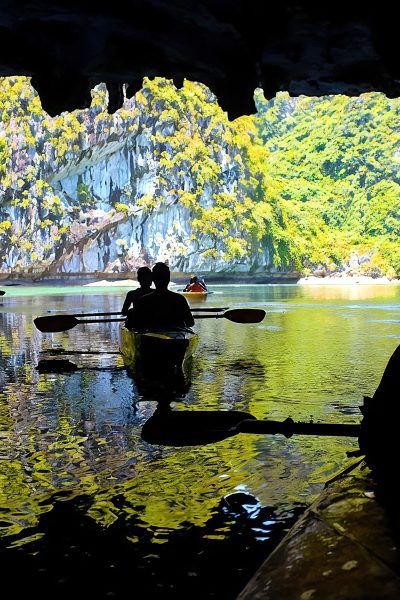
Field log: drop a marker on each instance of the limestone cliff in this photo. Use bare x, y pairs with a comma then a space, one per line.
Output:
89, 191
307, 184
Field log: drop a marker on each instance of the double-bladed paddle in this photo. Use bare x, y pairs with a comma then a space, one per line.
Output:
192, 428
109, 314
56, 323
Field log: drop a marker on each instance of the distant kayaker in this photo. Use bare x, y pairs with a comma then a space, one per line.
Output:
161, 310
145, 279
196, 284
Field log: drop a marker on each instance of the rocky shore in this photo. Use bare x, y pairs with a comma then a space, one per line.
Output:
180, 278
347, 280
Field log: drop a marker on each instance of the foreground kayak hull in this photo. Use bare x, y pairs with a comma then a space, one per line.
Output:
157, 351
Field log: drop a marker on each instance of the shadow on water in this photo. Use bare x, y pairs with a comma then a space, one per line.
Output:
49, 365
93, 509
251, 367
56, 366
163, 384
77, 558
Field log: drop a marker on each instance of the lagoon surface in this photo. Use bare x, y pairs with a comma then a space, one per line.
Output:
91, 509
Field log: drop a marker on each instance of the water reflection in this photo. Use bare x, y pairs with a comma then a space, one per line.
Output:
349, 292
71, 441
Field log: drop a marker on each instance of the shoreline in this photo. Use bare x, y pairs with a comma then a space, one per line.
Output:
354, 280
132, 283
91, 280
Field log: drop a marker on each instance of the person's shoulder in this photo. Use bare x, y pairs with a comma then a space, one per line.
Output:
141, 293
181, 299
176, 296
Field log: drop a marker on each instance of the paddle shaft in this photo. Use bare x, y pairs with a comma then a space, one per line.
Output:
290, 427
208, 316
211, 309
78, 321
58, 323
109, 314
98, 314
195, 428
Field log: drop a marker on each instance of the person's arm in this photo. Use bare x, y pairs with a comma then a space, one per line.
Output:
127, 303
187, 313
135, 317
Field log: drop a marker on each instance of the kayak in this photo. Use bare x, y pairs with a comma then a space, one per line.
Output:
195, 295
157, 351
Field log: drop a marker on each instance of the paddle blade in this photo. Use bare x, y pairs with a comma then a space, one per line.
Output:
191, 428
245, 315
55, 323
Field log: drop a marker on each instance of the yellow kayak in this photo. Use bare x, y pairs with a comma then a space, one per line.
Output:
157, 350
195, 295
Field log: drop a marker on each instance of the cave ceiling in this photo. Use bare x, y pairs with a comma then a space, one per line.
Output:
232, 46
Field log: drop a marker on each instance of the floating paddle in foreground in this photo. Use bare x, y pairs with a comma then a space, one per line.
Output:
193, 428
56, 323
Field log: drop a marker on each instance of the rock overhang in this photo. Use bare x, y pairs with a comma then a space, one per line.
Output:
232, 47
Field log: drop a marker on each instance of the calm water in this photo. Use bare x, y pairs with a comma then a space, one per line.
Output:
88, 507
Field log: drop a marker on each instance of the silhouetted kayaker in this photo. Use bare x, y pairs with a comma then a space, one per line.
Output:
145, 279
162, 309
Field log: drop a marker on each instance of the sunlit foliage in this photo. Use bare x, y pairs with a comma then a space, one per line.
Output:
336, 160
307, 183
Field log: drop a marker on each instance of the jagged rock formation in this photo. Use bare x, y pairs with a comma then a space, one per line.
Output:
311, 48
307, 184
88, 191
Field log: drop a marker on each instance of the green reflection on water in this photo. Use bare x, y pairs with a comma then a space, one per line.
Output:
316, 354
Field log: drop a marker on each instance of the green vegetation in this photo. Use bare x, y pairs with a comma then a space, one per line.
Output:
306, 183
335, 160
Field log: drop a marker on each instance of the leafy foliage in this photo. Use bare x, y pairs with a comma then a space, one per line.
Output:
336, 160
306, 183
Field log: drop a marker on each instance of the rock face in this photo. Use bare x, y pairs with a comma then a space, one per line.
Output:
68, 46
305, 184
88, 191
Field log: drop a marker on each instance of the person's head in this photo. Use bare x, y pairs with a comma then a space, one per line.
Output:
161, 275
193, 278
144, 276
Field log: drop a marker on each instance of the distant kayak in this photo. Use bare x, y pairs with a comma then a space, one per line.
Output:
195, 295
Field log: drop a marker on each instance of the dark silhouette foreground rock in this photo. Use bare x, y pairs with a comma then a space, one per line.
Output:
232, 47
